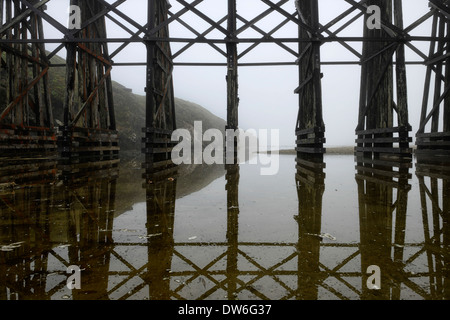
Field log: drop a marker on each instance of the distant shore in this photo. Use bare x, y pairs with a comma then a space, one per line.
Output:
330, 150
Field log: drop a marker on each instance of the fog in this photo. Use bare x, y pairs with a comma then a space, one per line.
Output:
267, 99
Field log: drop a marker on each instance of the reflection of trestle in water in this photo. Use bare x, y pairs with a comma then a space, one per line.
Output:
235, 269
383, 187
434, 183
383, 190
310, 188
161, 196
383, 195
91, 199
51, 223
72, 224
232, 188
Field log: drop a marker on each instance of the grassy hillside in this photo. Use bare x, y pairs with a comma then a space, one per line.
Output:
130, 115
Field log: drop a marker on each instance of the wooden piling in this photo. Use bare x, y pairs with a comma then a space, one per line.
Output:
383, 127
433, 134
160, 101
26, 118
310, 127
89, 121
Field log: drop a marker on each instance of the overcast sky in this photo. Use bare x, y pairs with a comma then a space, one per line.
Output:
267, 98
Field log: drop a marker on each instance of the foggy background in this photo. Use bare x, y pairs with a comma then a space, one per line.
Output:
267, 98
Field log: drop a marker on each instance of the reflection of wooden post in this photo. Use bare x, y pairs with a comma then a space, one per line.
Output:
438, 239
446, 237
78, 212
376, 181
310, 189
375, 231
24, 223
232, 187
400, 223
90, 199
161, 197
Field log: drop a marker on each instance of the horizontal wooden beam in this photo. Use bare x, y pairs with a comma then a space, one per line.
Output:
329, 39
383, 130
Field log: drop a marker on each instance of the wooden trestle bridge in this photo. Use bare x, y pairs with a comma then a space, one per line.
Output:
89, 127
81, 202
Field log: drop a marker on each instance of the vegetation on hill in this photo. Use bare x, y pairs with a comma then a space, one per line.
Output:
130, 115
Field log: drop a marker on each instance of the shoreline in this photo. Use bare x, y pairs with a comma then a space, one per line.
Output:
348, 150
332, 150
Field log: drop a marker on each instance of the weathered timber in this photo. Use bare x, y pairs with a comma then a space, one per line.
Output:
377, 108
89, 120
383, 189
310, 118
310, 184
161, 199
376, 128
434, 128
160, 100
26, 118
89, 99
434, 186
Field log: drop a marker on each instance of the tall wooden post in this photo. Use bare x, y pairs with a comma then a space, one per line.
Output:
26, 117
160, 102
310, 128
433, 135
232, 64
150, 102
89, 130
376, 130
232, 83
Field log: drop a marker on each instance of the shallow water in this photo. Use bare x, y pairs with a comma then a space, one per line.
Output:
212, 233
